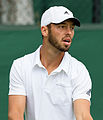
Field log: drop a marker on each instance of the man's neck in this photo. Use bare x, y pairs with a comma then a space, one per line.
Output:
50, 59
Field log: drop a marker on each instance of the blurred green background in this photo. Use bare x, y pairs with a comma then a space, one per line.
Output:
87, 46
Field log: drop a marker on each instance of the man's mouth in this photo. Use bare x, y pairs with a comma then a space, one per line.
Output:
67, 41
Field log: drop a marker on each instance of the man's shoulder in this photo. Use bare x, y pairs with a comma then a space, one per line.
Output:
24, 61
73, 60
76, 65
76, 62
25, 57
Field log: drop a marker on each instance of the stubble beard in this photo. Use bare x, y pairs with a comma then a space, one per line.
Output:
54, 42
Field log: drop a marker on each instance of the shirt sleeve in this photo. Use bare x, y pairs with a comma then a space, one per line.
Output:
16, 85
82, 84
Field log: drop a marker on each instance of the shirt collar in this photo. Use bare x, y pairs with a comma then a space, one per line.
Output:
36, 60
64, 65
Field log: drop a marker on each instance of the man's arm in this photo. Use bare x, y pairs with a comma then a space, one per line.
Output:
82, 109
16, 107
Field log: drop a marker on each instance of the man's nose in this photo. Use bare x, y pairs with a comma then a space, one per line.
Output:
69, 31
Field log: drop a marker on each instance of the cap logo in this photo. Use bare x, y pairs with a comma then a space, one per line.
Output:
66, 12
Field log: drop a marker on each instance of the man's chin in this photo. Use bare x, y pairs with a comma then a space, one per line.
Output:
64, 49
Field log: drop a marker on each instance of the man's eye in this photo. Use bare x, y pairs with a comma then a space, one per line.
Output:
72, 28
62, 26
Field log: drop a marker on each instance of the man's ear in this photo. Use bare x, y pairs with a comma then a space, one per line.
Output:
44, 31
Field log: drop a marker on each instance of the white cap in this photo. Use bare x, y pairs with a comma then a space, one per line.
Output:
58, 14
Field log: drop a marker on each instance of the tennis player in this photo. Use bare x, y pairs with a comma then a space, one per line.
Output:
50, 84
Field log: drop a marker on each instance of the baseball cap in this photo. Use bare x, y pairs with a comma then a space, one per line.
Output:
58, 14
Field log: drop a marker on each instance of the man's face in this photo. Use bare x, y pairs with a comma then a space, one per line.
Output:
60, 35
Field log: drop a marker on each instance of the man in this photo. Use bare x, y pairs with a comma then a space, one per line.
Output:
50, 84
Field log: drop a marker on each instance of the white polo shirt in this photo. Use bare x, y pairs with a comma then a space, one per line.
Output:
49, 97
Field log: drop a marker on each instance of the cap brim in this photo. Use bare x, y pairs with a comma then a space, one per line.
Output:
76, 21
73, 19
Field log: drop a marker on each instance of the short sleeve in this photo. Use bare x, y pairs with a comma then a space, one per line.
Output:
82, 84
16, 85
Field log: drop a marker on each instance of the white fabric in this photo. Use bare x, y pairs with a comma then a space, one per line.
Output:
57, 14
49, 97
